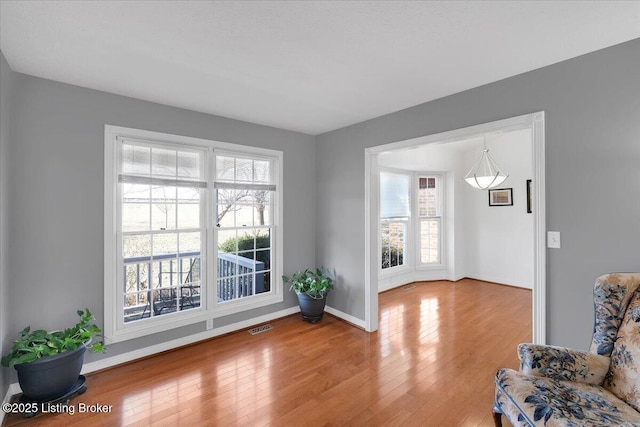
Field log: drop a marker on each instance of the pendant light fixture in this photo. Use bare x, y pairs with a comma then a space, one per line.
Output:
485, 173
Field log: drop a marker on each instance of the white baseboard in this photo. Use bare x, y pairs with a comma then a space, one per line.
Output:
346, 317
11, 391
6, 399
389, 282
500, 280
119, 359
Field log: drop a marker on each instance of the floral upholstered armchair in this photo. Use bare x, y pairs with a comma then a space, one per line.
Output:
558, 386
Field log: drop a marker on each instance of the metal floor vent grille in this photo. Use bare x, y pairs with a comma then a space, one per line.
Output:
260, 329
406, 288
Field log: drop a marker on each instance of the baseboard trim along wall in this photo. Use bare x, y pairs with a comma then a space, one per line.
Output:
395, 281
346, 317
11, 391
501, 281
119, 359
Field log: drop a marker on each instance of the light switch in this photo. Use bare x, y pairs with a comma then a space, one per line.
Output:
553, 239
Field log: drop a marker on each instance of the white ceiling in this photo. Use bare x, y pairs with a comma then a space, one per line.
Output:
432, 156
308, 66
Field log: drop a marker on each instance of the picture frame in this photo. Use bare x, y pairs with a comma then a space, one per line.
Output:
529, 197
501, 197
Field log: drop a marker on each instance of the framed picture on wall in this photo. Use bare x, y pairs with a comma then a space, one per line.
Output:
501, 197
529, 197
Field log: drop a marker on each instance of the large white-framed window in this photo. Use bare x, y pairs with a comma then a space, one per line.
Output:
395, 220
430, 226
192, 230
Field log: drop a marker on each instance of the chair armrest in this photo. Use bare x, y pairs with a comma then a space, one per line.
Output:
562, 364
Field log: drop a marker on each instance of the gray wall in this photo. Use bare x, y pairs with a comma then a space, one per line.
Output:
592, 106
6, 93
56, 197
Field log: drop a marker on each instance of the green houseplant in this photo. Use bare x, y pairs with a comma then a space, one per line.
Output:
49, 363
311, 287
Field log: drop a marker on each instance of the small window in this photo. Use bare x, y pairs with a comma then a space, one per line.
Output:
430, 218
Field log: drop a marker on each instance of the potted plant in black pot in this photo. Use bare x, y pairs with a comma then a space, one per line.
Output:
49, 363
312, 287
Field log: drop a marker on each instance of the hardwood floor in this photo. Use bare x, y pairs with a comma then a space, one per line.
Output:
431, 363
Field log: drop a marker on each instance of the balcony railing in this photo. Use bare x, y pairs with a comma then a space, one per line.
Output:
235, 277
180, 289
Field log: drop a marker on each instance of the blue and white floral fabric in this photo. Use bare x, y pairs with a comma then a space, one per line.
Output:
557, 386
623, 379
529, 400
562, 364
611, 296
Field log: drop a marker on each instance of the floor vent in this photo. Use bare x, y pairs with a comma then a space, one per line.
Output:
406, 288
260, 329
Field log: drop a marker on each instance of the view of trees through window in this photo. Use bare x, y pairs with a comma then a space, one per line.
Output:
163, 194
244, 194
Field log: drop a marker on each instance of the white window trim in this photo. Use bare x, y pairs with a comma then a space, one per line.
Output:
416, 211
209, 309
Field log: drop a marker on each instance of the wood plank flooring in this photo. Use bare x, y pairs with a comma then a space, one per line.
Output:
431, 363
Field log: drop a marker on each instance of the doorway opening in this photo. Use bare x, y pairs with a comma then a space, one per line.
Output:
388, 156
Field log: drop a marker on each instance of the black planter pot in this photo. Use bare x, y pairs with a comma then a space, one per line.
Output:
50, 377
312, 309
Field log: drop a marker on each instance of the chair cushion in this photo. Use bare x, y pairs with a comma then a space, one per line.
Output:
623, 378
539, 401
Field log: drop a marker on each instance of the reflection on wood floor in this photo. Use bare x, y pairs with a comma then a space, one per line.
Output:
430, 364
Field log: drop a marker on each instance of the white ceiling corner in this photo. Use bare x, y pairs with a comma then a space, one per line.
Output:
307, 66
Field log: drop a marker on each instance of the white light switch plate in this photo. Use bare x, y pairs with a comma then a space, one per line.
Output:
553, 239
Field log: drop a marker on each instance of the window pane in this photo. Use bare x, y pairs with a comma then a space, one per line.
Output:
263, 238
244, 214
227, 206
165, 244
189, 297
135, 207
225, 168
189, 242
163, 163
393, 243
189, 269
244, 170
163, 211
136, 160
428, 203
189, 165
394, 195
263, 265
430, 240
261, 207
135, 217
164, 301
261, 171
263, 282
227, 288
227, 241
136, 245
188, 215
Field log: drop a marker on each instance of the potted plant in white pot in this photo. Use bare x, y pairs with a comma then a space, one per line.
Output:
312, 287
49, 363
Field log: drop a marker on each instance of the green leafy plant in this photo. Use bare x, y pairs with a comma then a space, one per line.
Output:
33, 345
315, 283
248, 248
